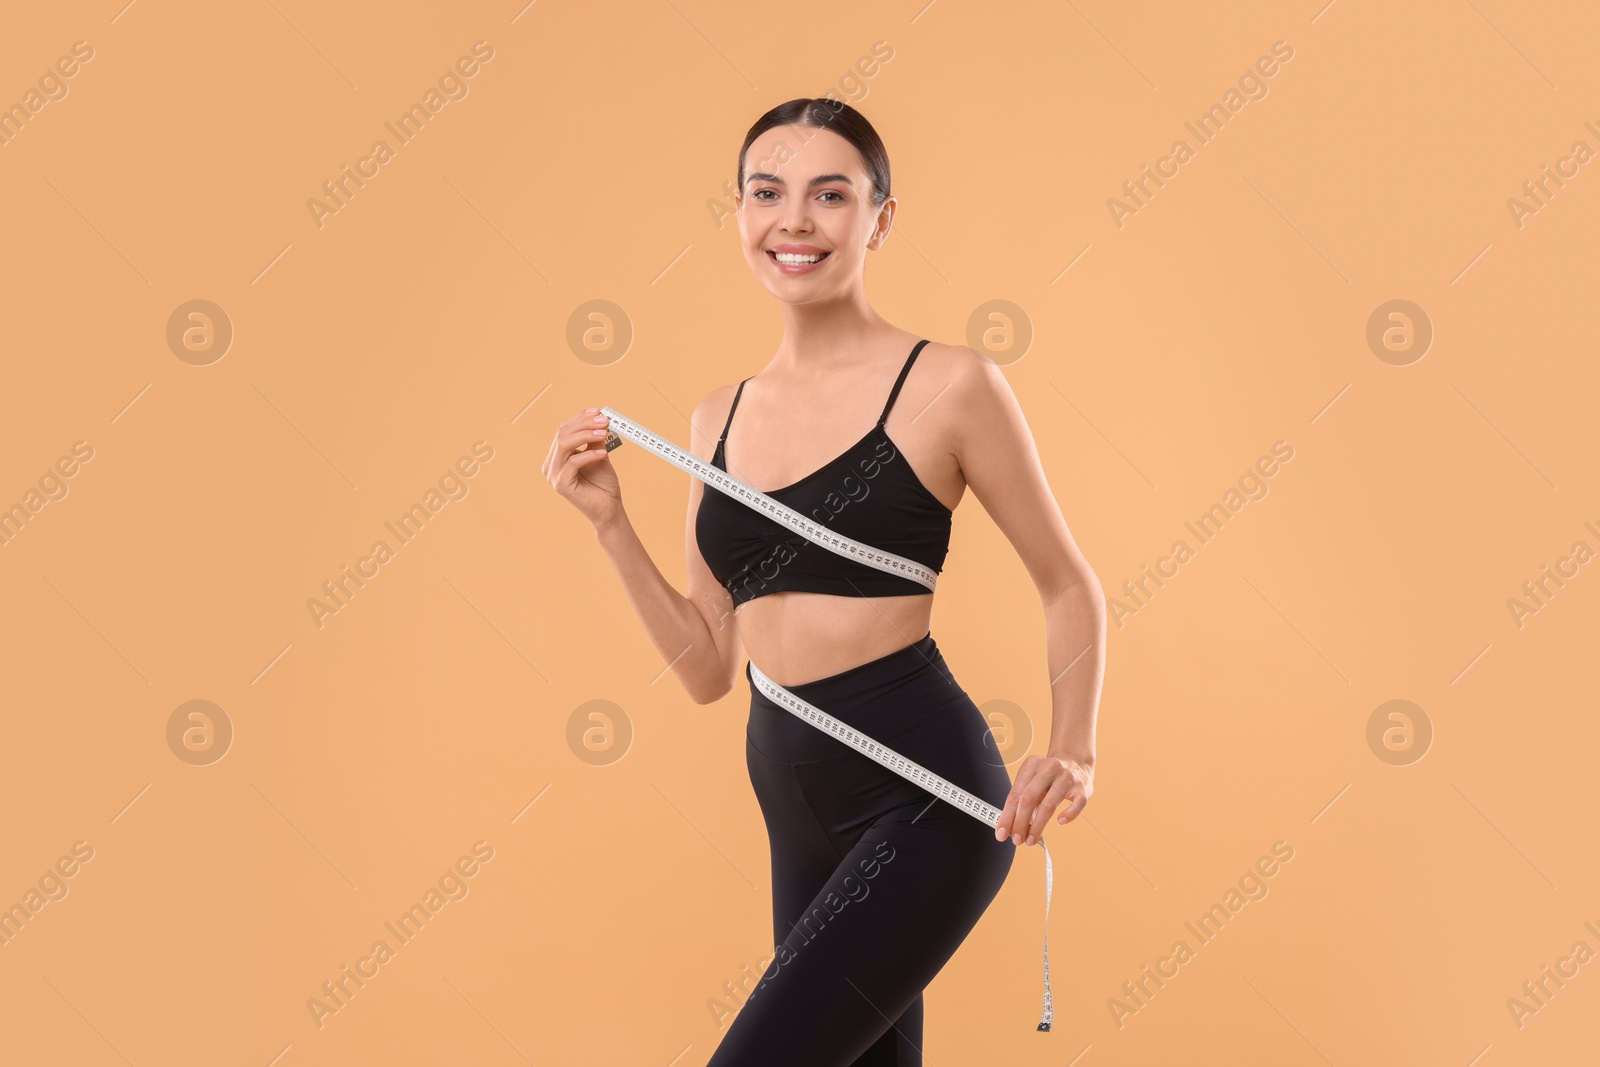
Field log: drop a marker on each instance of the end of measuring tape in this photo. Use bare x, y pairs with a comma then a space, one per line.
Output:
613, 439
881, 560
1049, 1013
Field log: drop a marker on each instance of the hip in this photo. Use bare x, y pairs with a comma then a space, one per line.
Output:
908, 700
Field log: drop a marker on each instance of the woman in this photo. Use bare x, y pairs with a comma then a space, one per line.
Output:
874, 881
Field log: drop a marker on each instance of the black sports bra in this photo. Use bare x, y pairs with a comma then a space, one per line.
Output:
868, 493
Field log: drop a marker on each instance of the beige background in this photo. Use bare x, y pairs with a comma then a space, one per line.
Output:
432, 711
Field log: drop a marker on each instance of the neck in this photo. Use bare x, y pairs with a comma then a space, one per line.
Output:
822, 336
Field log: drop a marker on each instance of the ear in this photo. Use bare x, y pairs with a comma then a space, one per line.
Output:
880, 232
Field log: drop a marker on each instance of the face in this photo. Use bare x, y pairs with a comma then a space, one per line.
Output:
807, 195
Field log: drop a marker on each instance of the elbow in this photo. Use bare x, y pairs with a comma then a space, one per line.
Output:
711, 672
1081, 585
697, 690
703, 691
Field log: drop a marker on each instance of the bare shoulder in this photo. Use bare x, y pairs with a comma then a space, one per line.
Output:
965, 382
953, 359
706, 422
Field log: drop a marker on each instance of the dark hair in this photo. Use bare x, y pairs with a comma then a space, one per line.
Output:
827, 114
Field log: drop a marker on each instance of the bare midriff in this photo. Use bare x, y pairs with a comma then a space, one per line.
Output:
797, 637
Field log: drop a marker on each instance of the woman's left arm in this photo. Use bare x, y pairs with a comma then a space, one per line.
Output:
1001, 465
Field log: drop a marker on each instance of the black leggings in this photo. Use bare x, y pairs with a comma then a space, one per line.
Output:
875, 882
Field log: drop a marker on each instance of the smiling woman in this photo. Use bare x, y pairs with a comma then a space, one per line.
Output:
857, 727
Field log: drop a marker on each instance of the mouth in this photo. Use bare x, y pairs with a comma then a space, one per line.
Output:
794, 261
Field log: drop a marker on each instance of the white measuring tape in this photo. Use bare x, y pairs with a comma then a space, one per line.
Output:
755, 498
980, 809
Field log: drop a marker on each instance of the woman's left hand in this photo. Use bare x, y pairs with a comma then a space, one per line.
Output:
1042, 783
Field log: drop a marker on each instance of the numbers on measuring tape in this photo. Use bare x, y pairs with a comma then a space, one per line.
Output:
723, 481
623, 428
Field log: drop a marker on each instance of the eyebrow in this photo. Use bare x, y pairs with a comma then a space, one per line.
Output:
821, 179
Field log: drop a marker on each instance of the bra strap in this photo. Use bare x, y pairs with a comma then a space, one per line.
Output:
898, 382
731, 408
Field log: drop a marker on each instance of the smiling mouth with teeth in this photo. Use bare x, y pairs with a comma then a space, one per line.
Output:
794, 259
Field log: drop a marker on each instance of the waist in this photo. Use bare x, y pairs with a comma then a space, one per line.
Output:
883, 698
914, 677
796, 637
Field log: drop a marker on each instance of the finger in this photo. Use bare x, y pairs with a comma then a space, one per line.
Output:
567, 446
1058, 791
1079, 801
1032, 783
553, 457
1002, 826
585, 418
582, 423
556, 461
599, 422
1033, 811
548, 465
1008, 814
578, 461
585, 434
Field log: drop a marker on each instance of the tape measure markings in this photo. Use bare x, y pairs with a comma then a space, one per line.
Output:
755, 498
940, 787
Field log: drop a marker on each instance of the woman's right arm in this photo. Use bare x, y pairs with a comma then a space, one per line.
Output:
696, 634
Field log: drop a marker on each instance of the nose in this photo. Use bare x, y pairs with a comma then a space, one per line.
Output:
797, 215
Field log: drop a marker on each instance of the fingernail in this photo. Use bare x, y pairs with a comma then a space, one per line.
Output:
1016, 839
999, 834
590, 411
1030, 839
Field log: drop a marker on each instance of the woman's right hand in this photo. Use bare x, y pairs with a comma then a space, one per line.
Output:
586, 478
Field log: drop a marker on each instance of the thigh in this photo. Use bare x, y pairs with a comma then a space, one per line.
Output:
846, 980
805, 855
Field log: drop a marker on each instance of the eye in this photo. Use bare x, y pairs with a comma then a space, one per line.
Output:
832, 192
757, 194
